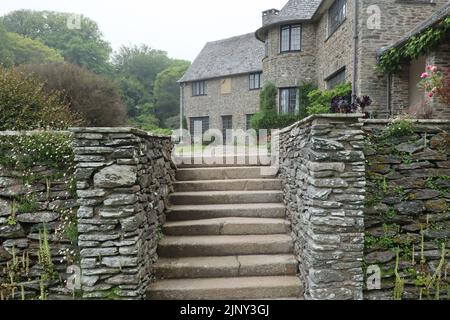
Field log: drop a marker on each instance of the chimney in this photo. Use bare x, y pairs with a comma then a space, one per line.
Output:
268, 15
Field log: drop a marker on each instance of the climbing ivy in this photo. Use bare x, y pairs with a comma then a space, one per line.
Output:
418, 45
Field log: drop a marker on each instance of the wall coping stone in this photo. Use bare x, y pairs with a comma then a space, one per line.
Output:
135, 131
336, 116
11, 133
420, 121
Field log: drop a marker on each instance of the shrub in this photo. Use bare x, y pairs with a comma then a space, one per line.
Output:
321, 101
93, 96
26, 105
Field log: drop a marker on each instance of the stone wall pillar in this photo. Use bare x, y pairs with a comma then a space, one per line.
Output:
322, 166
124, 177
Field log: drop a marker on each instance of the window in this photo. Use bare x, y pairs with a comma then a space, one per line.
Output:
198, 122
288, 100
336, 15
291, 38
199, 88
248, 121
335, 79
227, 126
255, 81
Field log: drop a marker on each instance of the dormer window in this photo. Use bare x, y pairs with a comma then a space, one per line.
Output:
291, 38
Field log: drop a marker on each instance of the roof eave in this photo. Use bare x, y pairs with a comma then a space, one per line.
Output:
218, 76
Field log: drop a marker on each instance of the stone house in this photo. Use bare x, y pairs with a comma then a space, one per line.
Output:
326, 42
221, 88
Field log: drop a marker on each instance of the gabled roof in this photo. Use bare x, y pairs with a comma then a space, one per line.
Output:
437, 17
294, 10
232, 56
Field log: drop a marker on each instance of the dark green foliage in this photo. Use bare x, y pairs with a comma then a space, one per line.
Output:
390, 61
84, 47
320, 101
304, 101
26, 105
16, 49
166, 93
93, 96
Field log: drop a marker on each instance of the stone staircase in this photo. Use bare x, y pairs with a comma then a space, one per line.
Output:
226, 238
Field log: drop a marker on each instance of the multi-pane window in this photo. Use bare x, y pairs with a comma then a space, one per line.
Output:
336, 15
198, 125
255, 81
199, 88
288, 100
227, 126
336, 79
248, 121
291, 38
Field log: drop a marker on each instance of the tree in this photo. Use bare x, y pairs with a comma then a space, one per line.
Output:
93, 96
26, 50
84, 46
141, 63
26, 105
166, 93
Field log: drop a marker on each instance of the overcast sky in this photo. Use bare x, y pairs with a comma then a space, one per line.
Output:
180, 27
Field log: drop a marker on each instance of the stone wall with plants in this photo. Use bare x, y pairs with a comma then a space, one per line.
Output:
38, 231
407, 211
323, 172
123, 179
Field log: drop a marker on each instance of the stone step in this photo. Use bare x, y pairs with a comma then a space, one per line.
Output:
231, 266
224, 173
226, 197
226, 288
227, 226
248, 160
228, 185
201, 246
196, 212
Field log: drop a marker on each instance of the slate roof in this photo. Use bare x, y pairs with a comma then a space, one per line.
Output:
294, 10
232, 56
438, 16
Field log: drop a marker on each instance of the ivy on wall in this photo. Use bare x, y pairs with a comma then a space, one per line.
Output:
415, 47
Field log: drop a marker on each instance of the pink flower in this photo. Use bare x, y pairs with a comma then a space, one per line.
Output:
434, 69
429, 68
431, 94
424, 75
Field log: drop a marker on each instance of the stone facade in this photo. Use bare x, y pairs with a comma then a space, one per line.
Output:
407, 194
215, 104
397, 18
379, 24
291, 68
124, 177
323, 172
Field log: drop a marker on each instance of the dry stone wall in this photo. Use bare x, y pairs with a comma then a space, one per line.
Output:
323, 171
124, 177
35, 197
369, 206
408, 205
